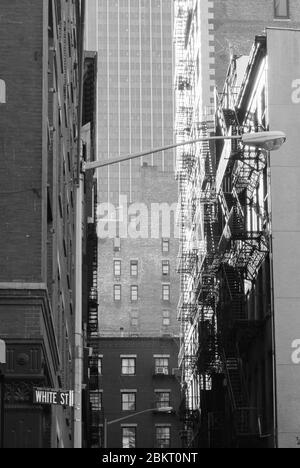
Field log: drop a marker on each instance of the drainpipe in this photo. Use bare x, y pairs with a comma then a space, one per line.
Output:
78, 320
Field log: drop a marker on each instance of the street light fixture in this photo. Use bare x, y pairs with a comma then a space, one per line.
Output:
166, 409
270, 141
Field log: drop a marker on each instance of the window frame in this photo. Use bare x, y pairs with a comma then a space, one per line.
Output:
165, 263
164, 362
166, 287
93, 401
129, 428
128, 366
162, 403
158, 439
166, 316
117, 262
134, 264
165, 242
133, 298
128, 402
117, 298
280, 17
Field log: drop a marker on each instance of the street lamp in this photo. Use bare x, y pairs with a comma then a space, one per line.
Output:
166, 409
270, 141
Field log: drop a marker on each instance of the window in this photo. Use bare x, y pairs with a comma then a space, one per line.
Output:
163, 437
128, 437
134, 268
166, 292
165, 245
96, 400
2, 92
96, 365
162, 399
166, 318
128, 401
166, 268
117, 268
128, 366
117, 292
134, 293
162, 365
281, 9
134, 315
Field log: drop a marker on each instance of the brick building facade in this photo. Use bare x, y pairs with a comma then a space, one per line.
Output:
39, 131
132, 376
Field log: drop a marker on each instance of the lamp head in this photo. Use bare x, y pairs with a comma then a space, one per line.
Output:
166, 409
270, 141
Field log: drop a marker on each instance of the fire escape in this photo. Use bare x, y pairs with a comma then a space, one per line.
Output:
95, 396
242, 249
188, 256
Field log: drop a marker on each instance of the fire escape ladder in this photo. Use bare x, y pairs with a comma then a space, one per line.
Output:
246, 418
235, 287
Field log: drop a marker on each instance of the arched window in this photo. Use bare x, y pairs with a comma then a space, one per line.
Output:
2, 92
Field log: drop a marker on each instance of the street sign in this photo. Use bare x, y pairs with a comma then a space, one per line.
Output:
48, 396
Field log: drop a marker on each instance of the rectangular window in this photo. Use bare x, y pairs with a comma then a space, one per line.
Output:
100, 365
166, 245
166, 268
96, 365
117, 292
117, 268
128, 366
128, 401
281, 9
134, 316
166, 318
134, 268
128, 437
166, 292
162, 366
96, 400
134, 293
163, 437
162, 399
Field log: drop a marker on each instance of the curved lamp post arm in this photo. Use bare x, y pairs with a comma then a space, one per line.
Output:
269, 141
129, 416
149, 410
128, 157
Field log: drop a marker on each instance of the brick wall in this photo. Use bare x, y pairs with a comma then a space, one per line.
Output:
155, 187
21, 63
112, 382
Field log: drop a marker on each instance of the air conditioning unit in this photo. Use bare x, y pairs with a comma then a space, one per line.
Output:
162, 370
